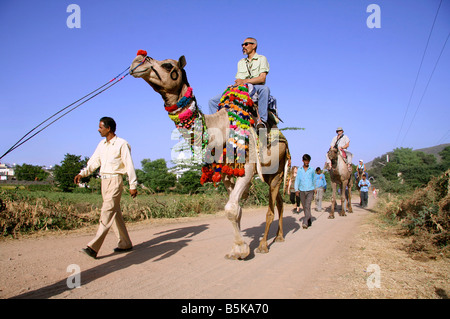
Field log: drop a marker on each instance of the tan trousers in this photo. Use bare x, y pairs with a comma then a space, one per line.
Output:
111, 215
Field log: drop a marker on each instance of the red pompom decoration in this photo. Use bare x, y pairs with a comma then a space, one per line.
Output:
216, 177
142, 52
241, 171
227, 170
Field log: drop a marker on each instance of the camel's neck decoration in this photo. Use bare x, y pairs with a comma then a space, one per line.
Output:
185, 111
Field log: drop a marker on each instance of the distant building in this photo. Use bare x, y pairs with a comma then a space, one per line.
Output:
6, 172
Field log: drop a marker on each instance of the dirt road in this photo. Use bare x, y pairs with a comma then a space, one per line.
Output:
184, 258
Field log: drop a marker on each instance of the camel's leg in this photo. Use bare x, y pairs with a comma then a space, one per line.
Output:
274, 198
280, 236
228, 182
343, 187
262, 248
333, 200
274, 184
240, 248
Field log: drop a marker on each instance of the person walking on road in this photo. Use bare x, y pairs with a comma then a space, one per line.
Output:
320, 184
364, 185
113, 156
304, 186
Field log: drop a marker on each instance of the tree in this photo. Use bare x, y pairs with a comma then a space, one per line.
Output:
69, 168
445, 158
408, 169
155, 175
190, 181
27, 172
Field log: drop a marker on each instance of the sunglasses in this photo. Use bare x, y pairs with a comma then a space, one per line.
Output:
247, 43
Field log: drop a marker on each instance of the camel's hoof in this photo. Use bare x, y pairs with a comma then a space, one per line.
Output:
262, 250
343, 214
238, 252
350, 212
331, 217
279, 239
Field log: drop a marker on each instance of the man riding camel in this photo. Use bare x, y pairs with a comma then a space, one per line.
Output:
341, 142
253, 70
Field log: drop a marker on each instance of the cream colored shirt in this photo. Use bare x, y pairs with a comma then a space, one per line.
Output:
113, 157
248, 69
344, 140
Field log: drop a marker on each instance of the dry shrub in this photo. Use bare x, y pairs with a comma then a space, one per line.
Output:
24, 216
425, 215
23, 212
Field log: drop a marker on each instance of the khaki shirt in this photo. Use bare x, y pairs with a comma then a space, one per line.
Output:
248, 69
113, 157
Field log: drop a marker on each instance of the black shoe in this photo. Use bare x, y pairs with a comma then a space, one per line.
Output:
122, 250
90, 252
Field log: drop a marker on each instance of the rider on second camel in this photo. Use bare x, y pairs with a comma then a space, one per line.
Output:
253, 70
341, 142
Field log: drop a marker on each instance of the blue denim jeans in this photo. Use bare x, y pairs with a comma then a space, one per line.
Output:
263, 99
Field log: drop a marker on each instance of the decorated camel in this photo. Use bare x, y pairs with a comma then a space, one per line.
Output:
247, 158
340, 175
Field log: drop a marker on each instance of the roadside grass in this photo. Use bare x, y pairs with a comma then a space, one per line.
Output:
24, 211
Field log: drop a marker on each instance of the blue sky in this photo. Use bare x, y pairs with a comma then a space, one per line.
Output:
328, 69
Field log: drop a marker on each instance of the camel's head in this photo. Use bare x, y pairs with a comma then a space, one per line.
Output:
333, 154
167, 76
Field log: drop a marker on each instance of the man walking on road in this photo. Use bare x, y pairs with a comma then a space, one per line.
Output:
304, 186
364, 185
321, 185
113, 156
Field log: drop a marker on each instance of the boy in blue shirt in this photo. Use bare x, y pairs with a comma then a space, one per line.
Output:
321, 185
304, 186
364, 185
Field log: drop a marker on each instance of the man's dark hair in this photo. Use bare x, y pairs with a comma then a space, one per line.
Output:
306, 157
317, 169
109, 122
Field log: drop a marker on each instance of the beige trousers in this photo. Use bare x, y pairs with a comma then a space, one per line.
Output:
111, 215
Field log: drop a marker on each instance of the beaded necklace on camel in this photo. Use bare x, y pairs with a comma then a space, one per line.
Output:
190, 122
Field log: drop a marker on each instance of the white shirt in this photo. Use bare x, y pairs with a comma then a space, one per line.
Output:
113, 157
344, 140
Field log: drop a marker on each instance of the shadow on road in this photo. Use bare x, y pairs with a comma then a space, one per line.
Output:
256, 233
161, 247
